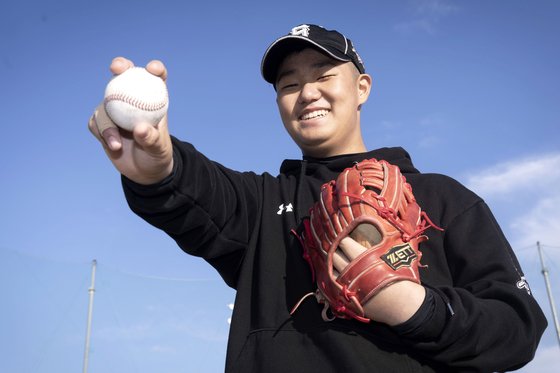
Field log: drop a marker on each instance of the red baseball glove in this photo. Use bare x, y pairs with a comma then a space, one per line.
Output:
373, 204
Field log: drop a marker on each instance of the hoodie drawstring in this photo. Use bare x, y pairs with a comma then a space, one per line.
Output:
299, 212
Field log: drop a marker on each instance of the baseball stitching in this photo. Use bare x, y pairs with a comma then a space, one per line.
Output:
142, 105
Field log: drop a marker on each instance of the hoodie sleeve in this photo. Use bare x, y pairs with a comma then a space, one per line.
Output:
482, 320
208, 209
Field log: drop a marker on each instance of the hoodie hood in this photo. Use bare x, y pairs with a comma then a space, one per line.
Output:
316, 170
395, 155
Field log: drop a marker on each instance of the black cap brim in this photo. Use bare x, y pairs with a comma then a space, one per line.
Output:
282, 47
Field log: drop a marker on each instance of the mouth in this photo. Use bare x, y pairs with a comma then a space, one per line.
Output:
314, 114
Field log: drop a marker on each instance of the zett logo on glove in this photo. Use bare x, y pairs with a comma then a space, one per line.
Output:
399, 256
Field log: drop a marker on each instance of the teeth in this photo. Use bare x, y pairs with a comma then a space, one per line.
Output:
314, 114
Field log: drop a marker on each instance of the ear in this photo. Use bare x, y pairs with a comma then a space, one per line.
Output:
364, 87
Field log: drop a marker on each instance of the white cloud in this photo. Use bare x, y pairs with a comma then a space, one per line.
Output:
210, 331
547, 360
526, 195
433, 121
230, 306
434, 8
390, 125
138, 331
423, 25
428, 13
535, 173
541, 223
163, 349
427, 142
426, 130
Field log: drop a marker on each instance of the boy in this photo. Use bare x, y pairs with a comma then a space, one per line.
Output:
467, 314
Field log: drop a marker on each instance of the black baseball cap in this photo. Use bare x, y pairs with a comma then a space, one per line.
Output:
331, 42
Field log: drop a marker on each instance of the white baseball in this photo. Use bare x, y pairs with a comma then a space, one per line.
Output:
136, 96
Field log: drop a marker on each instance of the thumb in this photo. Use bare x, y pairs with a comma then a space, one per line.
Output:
155, 156
146, 136
153, 140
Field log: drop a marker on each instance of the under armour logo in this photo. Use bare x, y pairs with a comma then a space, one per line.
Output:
522, 284
282, 208
302, 30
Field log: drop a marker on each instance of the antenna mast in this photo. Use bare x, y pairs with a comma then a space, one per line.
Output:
91, 292
549, 292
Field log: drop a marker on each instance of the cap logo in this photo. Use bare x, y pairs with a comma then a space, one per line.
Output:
357, 55
302, 30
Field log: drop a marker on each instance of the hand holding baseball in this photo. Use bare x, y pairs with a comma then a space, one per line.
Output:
143, 152
136, 96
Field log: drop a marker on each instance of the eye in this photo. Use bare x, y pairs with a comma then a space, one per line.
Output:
288, 86
325, 77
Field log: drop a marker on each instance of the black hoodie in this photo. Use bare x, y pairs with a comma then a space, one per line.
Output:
480, 317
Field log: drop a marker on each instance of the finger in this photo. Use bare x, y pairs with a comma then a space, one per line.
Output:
351, 248
120, 65
157, 68
340, 261
112, 137
104, 129
366, 234
93, 128
102, 119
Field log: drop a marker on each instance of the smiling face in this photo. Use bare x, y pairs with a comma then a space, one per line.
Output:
319, 100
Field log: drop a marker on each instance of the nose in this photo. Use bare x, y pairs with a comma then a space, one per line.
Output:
309, 93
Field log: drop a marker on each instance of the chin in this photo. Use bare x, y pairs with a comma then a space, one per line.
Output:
316, 151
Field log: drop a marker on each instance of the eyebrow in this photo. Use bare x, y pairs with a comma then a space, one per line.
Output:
317, 65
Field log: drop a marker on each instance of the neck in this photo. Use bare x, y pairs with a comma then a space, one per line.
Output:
356, 147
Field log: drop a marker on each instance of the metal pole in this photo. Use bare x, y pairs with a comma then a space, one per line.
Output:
91, 292
549, 291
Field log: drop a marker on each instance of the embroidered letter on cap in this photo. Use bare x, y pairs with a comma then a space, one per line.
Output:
302, 30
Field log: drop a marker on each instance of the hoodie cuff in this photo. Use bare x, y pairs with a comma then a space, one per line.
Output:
428, 322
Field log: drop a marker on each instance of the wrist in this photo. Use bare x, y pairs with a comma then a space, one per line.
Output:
396, 303
158, 177
147, 179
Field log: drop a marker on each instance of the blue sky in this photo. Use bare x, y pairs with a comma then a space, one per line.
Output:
469, 88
